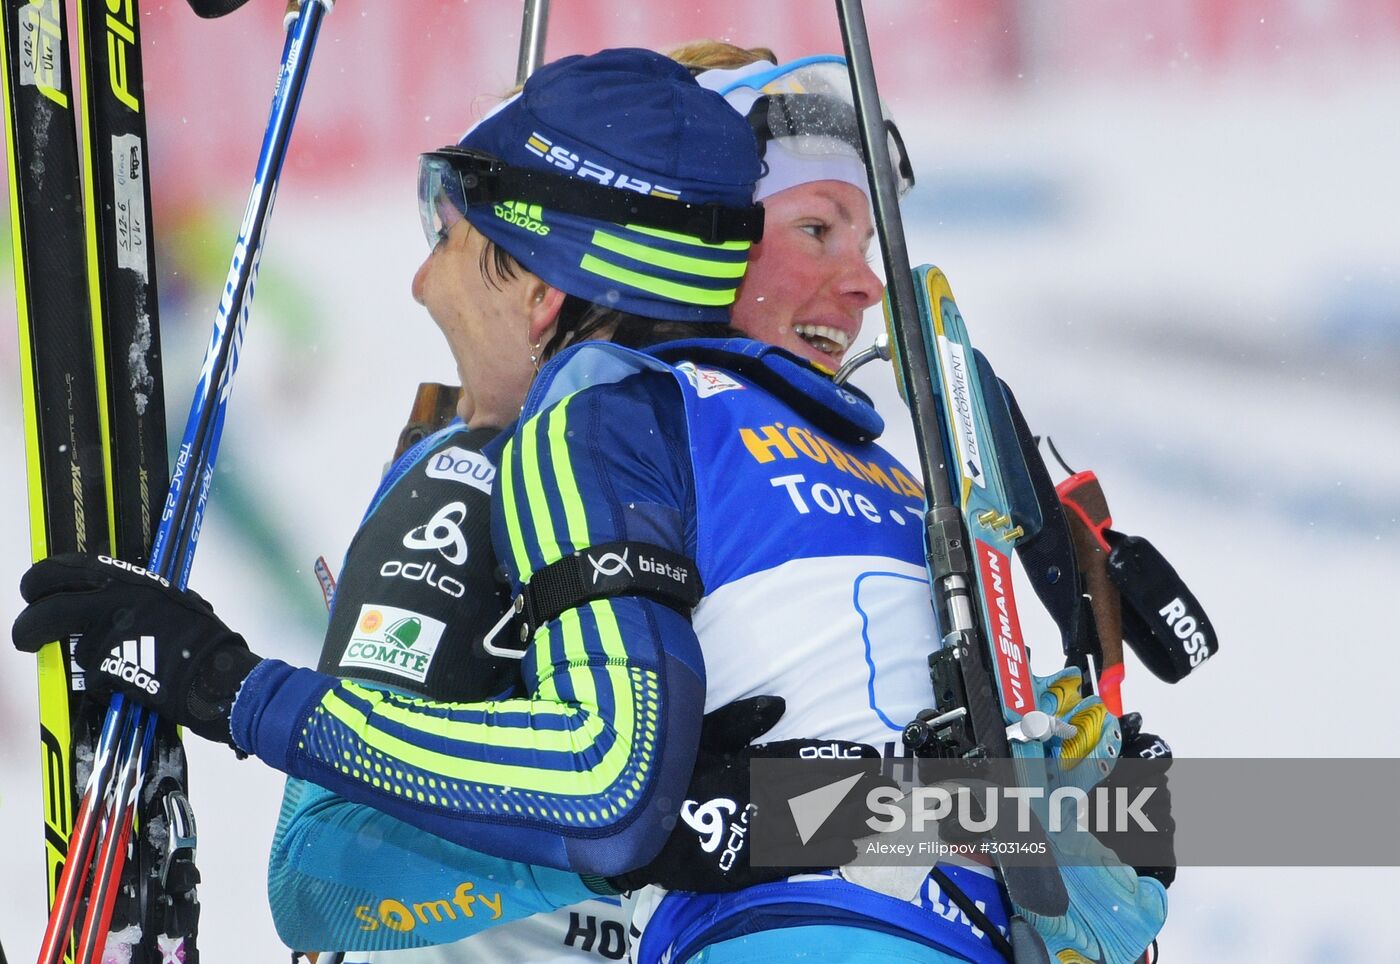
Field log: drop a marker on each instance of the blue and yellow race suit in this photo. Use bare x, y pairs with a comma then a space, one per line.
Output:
805, 534
417, 592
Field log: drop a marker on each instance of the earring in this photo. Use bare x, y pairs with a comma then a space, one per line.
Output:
535, 357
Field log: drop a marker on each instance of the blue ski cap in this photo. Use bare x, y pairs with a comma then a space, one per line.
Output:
633, 120
804, 117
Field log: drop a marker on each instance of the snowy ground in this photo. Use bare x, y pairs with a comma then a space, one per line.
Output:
1195, 288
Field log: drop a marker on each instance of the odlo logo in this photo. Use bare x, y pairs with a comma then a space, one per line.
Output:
135, 662
708, 821
522, 215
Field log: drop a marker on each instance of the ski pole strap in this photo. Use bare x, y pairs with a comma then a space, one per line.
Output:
602, 571
1083, 496
1163, 622
1138, 597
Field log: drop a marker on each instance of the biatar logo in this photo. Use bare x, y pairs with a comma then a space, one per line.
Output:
463, 465
393, 640
610, 564
708, 381
708, 821
442, 532
134, 660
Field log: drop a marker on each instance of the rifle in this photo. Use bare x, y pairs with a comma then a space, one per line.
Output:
978, 507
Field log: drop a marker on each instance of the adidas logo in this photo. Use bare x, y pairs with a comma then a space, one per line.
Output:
135, 570
134, 661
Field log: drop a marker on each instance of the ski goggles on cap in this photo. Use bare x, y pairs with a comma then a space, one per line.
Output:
452, 179
655, 257
803, 116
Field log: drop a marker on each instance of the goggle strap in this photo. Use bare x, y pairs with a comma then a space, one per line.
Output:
759, 118
712, 223
901, 159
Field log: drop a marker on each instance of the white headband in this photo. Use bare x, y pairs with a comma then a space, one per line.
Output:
821, 159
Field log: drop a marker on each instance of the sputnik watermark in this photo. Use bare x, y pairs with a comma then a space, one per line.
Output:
896, 811
1216, 812
1114, 809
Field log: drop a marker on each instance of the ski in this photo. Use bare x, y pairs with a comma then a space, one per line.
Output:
156, 901
94, 404
63, 413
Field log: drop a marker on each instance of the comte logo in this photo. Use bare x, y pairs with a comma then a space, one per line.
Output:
393, 640
134, 661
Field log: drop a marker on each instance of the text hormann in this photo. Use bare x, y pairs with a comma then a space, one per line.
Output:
768, 443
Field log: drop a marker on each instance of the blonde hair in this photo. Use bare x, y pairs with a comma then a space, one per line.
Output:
701, 55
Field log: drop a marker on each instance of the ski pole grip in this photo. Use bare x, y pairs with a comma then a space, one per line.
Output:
213, 9
1086, 511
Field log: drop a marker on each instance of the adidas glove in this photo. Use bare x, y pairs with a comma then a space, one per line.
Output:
160, 646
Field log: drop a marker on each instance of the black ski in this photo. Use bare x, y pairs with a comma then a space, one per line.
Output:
157, 894
94, 405
62, 410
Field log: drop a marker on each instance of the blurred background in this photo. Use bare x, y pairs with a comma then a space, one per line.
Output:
1174, 228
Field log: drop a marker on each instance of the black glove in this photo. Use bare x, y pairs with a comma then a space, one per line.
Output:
708, 850
158, 645
1148, 757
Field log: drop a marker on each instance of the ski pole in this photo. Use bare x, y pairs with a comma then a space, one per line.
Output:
183, 514
189, 486
988, 694
533, 27
117, 832
76, 864
952, 589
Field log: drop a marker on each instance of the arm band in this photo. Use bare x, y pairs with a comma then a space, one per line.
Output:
597, 572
